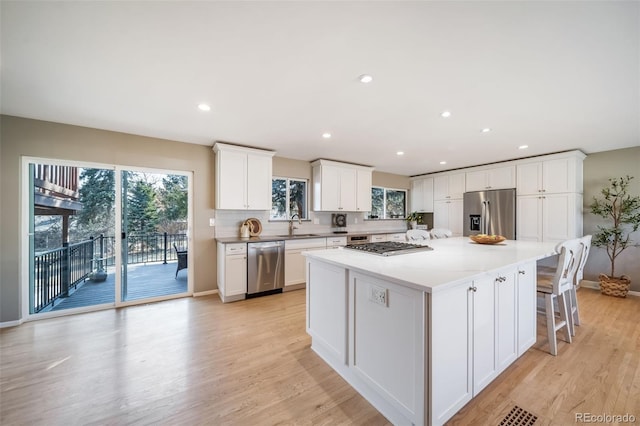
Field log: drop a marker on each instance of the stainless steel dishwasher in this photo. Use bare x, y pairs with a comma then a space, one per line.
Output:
265, 268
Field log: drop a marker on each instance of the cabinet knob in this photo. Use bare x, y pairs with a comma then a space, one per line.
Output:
522, 272
473, 288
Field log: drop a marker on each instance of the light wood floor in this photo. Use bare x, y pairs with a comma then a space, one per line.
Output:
197, 361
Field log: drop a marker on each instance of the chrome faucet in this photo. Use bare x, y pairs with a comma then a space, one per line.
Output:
291, 227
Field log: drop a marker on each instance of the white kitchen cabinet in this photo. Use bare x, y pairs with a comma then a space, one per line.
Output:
335, 242
448, 186
363, 190
476, 331
243, 178
484, 333
422, 195
341, 187
378, 238
451, 351
232, 271
448, 214
506, 316
560, 173
526, 309
549, 217
294, 261
493, 178
398, 236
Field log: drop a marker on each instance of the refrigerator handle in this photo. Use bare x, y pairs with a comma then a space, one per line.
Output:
483, 222
488, 219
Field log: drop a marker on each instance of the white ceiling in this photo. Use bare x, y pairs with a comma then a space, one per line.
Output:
551, 75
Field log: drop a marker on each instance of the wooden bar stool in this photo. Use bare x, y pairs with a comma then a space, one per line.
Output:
556, 288
548, 272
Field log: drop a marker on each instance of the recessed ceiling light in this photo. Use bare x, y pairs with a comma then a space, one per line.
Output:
523, 147
486, 130
443, 162
326, 135
204, 107
365, 78
400, 153
445, 114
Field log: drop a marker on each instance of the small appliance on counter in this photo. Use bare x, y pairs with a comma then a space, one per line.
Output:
251, 227
244, 230
339, 223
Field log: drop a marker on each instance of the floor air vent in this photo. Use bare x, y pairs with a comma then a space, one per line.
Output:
519, 417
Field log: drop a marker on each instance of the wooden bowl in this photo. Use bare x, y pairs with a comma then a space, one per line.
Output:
487, 239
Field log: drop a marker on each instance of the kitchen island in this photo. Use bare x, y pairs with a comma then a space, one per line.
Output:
420, 334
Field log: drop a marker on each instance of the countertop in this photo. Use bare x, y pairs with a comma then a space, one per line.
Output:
266, 238
452, 261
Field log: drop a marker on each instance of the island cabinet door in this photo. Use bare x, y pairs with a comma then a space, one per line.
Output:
526, 284
450, 360
327, 311
484, 333
506, 318
388, 338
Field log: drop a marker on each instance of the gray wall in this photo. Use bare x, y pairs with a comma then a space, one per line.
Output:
23, 137
598, 168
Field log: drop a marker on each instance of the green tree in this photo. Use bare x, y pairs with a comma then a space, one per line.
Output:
142, 208
173, 197
97, 195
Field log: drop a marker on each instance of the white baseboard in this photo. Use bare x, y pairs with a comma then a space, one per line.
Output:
10, 323
596, 286
205, 293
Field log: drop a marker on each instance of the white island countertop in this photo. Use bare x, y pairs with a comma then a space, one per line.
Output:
452, 260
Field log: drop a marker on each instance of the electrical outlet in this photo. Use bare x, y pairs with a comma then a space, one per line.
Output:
355, 220
378, 295
316, 221
212, 222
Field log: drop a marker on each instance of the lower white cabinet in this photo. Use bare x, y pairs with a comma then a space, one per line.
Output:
378, 238
335, 242
398, 236
479, 329
448, 214
526, 294
232, 271
549, 217
294, 261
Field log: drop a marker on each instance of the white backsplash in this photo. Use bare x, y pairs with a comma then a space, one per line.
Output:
228, 223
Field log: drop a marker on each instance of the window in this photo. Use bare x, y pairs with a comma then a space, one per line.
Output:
288, 197
388, 203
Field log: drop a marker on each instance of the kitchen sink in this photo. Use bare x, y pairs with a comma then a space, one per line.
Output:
298, 235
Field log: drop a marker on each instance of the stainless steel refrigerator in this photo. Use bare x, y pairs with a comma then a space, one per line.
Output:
490, 212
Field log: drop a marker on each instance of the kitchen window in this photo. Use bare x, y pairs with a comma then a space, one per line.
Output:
387, 203
288, 197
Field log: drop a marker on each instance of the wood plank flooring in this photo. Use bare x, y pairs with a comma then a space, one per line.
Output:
198, 361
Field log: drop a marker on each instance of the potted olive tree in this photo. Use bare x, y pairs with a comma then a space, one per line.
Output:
623, 213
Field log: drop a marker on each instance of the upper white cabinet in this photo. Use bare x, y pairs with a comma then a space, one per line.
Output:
422, 194
448, 186
493, 178
549, 202
555, 174
341, 186
243, 178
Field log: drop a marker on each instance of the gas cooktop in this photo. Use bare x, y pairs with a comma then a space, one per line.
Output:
388, 248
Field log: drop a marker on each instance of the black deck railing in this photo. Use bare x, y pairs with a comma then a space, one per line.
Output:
60, 270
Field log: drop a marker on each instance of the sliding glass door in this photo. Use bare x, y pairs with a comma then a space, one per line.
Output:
76, 257
154, 234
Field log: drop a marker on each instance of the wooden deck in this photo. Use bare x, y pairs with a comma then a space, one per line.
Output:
143, 281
